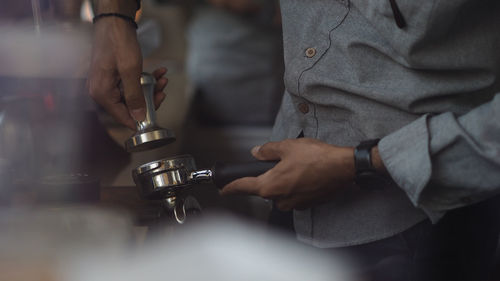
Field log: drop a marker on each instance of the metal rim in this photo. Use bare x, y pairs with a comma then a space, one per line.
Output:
149, 140
156, 178
182, 161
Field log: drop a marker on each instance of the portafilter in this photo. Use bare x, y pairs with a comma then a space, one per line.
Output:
164, 178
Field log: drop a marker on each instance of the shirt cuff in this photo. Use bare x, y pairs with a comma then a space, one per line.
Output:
405, 153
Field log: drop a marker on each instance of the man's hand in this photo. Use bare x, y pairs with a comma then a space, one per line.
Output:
116, 57
310, 172
238, 6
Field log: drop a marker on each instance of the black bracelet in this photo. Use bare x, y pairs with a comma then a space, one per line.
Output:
138, 5
127, 18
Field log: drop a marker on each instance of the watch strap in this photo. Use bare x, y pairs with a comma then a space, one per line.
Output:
363, 157
367, 176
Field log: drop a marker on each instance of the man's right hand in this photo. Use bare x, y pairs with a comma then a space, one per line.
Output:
116, 57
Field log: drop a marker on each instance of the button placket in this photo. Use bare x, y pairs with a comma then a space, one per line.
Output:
310, 57
302, 53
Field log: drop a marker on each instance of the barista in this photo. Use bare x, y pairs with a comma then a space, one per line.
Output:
386, 70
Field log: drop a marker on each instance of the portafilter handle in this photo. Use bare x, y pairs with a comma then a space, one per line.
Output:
224, 173
148, 90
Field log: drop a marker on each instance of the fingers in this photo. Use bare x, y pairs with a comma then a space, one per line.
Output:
133, 92
247, 185
159, 72
129, 68
159, 94
103, 89
161, 83
159, 98
116, 56
268, 151
136, 103
264, 185
120, 112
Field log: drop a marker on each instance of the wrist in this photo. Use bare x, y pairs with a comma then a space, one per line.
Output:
347, 159
377, 162
115, 15
370, 170
125, 7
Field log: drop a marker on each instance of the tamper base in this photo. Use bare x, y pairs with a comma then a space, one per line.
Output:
150, 139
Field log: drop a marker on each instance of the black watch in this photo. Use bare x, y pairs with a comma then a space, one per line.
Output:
367, 176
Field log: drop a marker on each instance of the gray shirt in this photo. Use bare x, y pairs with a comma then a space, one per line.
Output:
428, 90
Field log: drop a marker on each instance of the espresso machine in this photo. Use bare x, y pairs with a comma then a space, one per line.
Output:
166, 179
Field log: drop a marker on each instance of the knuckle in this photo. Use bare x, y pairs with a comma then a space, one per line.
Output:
261, 189
265, 193
270, 191
265, 146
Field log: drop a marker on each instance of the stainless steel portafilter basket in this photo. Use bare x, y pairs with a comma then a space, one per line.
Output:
164, 178
149, 135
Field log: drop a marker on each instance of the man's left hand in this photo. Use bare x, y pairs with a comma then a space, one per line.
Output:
310, 172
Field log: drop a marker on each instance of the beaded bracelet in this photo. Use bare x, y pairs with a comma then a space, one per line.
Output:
127, 18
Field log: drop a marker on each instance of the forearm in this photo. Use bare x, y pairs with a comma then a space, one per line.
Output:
116, 56
125, 7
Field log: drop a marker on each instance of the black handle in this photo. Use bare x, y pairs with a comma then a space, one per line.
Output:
224, 173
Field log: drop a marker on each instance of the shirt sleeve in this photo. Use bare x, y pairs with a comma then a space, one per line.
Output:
445, 161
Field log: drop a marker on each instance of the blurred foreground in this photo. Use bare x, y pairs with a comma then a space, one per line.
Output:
83, 244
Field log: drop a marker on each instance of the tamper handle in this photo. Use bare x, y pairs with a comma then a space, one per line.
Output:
148, 88
224, 173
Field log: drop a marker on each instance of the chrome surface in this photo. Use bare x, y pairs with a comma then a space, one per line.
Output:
180, 213
186, 161
146, 140
180, 209
148, 89
170, 202
175, 209
169, 179
201, 176
149, 135
162, 178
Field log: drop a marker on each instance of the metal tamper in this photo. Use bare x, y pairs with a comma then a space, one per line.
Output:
149, 135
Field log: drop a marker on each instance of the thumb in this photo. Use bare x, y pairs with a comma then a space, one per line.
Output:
267, 152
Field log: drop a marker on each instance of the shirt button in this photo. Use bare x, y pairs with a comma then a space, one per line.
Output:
310, 52
303, 107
